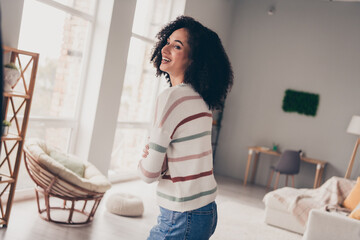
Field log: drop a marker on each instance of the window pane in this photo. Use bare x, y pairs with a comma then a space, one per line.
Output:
86, 6
128, 145
60, 38
150, 16
140, 85
57, 137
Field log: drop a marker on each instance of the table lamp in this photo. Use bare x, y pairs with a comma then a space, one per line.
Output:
354, 128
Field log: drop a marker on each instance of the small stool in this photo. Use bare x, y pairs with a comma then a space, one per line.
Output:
125, 205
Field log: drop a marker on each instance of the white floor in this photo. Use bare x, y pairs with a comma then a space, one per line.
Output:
241, 214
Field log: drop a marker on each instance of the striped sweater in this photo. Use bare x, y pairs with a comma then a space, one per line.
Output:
180, 152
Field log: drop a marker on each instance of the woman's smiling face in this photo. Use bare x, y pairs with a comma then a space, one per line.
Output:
175, 55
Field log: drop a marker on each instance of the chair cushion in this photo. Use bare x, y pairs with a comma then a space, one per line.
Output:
69, 161
92, 180
125, 204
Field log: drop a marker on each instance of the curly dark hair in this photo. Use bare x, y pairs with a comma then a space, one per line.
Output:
210, 72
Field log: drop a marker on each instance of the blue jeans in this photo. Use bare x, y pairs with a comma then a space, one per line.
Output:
196, 224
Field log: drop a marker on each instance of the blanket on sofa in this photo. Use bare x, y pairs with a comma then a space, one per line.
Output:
300, 201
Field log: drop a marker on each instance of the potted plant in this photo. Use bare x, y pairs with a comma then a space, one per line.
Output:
5, 127
11, 75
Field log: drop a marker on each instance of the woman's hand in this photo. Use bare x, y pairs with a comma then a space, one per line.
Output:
146, 151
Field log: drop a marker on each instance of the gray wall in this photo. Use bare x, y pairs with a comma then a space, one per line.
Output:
214, 14
309, 45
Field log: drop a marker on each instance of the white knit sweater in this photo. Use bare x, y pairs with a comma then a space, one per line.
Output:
180, 154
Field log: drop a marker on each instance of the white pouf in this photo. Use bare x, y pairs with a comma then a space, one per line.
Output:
125, 205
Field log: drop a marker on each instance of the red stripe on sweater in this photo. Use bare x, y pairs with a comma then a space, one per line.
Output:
188, 119
187, 178
175, 104
147, 173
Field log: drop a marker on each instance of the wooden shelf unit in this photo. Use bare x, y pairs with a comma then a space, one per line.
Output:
15, 103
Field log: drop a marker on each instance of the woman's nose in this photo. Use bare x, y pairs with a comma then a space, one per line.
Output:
165, 49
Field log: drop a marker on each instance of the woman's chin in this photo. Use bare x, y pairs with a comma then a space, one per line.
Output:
163, 68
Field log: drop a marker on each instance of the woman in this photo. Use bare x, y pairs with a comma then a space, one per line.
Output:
179, 153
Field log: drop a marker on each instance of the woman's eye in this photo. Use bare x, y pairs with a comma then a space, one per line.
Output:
177, 47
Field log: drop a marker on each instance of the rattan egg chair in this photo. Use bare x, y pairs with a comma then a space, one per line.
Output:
63, 196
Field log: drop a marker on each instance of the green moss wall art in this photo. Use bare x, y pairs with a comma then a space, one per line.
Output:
300, 102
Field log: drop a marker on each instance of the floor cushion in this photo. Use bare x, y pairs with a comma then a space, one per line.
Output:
125, 204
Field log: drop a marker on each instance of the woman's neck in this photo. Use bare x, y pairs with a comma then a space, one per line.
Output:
176, 80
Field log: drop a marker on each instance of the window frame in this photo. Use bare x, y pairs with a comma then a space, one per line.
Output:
64, 122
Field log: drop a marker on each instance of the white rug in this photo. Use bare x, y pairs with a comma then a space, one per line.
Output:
237, 221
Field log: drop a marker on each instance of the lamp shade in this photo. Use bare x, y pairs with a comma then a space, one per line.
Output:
354, 125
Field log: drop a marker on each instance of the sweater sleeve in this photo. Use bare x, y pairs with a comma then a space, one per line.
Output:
150, 168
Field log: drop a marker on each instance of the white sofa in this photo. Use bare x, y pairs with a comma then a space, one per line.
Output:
289, 208
276, 213
331, 226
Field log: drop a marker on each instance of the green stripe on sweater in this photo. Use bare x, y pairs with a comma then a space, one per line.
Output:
184, 199
199, 135
157, 147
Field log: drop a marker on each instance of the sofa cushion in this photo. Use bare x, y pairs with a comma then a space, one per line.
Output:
356, 212
353, 199
331, 226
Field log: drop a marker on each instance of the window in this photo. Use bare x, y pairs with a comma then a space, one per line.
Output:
60, 31
140, 85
